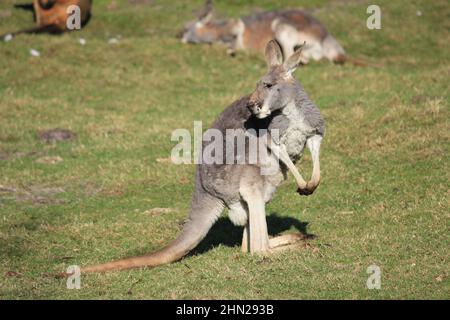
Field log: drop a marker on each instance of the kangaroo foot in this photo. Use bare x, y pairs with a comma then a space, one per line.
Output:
285, 240
295, 245
288, 241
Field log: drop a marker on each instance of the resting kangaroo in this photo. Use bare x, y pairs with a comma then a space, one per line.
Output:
51, 15
290, 28
278, 103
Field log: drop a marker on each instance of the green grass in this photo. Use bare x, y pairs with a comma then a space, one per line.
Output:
383, 198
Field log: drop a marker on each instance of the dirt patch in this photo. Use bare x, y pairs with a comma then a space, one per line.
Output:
6, 189
49, 160
112, 6
33, 194
140, 2
11, 155
12, 274
56, 135
422, 98
157, 211
5, 13
184, 180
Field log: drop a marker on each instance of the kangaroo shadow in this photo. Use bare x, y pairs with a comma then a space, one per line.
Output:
225, 233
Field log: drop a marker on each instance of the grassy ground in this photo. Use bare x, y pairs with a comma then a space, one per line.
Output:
383, 199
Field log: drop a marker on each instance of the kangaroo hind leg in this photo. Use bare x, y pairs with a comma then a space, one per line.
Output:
255, 232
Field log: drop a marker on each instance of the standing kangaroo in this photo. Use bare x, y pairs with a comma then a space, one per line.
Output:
51, 15
290, 28
278, 103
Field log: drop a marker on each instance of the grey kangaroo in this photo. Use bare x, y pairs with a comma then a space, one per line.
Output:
278, 103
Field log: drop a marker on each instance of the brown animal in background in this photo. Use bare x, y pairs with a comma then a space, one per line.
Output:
291, 28
51, 15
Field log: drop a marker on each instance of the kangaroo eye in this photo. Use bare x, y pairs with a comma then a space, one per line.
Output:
267, 85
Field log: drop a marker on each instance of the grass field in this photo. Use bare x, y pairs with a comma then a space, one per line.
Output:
384, 195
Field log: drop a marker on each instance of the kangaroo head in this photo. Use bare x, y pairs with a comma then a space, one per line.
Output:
201, 30
277, 88
206, 29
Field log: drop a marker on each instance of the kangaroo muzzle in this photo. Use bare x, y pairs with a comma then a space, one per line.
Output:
263, 112
260, 109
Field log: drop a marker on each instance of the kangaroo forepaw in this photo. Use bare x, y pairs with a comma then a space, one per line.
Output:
306, 191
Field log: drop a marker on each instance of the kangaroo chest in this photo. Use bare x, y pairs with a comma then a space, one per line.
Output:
296, 132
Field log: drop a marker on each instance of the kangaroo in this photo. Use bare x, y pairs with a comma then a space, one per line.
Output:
51, 15
278, 103
290, 28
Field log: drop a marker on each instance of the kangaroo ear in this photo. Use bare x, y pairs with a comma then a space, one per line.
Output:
291, 63
206, 13
274, 56
46, 4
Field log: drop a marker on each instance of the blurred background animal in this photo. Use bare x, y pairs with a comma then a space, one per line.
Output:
290, 27
51, 15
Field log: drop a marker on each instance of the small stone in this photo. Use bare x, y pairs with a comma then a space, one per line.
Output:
8, 37
34, 53
113, 41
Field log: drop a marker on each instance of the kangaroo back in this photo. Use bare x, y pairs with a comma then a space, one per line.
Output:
258, 31
54, 12
261, 27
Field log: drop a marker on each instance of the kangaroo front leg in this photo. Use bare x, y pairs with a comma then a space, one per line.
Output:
313, 145
256, 229
281, 153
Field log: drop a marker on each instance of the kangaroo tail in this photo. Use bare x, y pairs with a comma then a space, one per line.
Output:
360, 62
334, 52
204, 213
